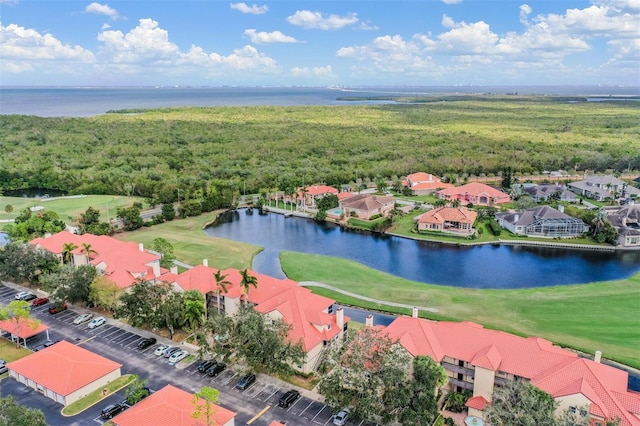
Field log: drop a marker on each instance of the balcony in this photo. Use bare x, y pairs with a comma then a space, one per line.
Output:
461, 383
457, 369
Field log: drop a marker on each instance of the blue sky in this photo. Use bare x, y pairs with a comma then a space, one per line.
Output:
318, 43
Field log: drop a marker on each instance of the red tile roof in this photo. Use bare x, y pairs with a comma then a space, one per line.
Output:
478, 402
121, 262
476, 189
169, 406
321, 190
449, 214
23, 328
64, 367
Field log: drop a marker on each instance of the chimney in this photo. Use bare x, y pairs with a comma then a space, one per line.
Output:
561, 208
516, 218
369, 321
141, 247
174, 269
414, 313
340, 317
598, 356
205, 262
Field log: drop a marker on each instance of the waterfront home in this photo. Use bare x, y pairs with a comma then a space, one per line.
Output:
626, 221
310, 194
600, 188
121, 262
422, 183
364, 206
315, 321
474, 193
477, 360
543, 221
454, 220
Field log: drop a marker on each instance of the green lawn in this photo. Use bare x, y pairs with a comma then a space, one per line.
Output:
192, 245
69, 208
585, 317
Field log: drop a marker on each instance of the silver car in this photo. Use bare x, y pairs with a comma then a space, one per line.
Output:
82, 318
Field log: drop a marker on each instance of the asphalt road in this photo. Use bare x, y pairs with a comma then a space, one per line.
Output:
118, 342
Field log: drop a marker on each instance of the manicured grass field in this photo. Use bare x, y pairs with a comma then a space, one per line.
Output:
585, 317
9, 352
191, 245
69, 208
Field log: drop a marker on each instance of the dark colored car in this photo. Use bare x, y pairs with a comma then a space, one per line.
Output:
40, 301
205, 365
288, 398
146, 342
58, 308
111, 410
246, 381
216, 369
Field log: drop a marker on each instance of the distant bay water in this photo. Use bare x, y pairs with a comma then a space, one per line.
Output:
91, 101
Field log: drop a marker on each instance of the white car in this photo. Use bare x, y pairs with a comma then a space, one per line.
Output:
160, 350
25, 295
97, 322
82, 318
341, 418
178, 356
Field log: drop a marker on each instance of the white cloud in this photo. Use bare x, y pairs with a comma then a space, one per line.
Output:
101, 9
254, 9
593, 20
451, 1
314, 72
261, 37
626, 52
317, 20
21, 43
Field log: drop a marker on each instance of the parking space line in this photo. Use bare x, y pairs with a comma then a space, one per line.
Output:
115, 330
318, 413
122, 337
305, 408
273, 393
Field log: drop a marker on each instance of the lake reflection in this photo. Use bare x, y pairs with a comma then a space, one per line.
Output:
487, 266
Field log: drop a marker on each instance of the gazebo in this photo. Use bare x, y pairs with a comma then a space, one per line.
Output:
21, 329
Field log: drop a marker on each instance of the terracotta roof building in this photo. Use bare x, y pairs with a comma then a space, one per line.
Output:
456, 220
475, 193
477, 359
64, 372
170, 406
20, 329
425, 183
364, 206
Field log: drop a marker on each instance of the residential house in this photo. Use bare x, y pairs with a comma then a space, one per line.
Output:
172, 406
626, 220
64, 372
425, 183
314, 320
545, 192
543, 221
477, 360
309, 195
474, 193
455, 220
364, 206
600, 188
121, 262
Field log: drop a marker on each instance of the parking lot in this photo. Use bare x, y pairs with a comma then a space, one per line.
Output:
118, 342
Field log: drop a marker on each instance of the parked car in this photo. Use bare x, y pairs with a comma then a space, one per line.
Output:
3, 369
50, 342
58, 308
146, 342
25, 295
82, 318
216, 368
288, 398
341, 418
39, 301
178, 356
205, 365
97, 322
111, 410
170, 351
246, 381
160, 350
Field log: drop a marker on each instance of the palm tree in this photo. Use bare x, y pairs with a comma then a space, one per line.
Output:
598, 221
221, 285
67, 251
247, 282
194, 311
86, 249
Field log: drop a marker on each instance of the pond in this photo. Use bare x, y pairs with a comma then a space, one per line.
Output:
486, 266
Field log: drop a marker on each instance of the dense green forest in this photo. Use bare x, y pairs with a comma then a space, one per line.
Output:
154, 153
